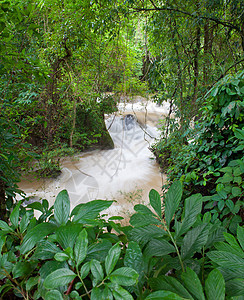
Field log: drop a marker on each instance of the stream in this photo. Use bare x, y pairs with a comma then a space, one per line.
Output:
125, 174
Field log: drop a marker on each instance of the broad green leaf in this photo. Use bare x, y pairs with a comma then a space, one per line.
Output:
235, 287
193, 284
155, 202
215, 286
236, 191
124, 276
143, 209
85, 269
67, 234
119, 293
229, 261
142, 235
24, 222
32, 282
62, 207
139, 220
106, 294
171, 284
239, 133
89, 210
36, 205
58, 278
215, 235
112, 258
35, 235
21, 268
163, 295
98, 250
220, 246
134, 259
5, 227
53, 295
158, 247
172, 200
96, 293
2, 242
14, 216
80, 248
61, 256
194, 240
45, 250
193, 207
232, 241
51, 266
97, 270
240, 236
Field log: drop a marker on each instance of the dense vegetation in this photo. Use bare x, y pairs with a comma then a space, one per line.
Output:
64, 64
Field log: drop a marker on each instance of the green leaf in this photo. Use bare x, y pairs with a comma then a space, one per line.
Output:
51, 266
53, 295
90, 210
215, 286
112, 258
239, 133
124, 276
172, 200
67, 234
143, 209
21, 268
193, 284
35, 235
61, 256
62, 207
193, 207
240, 236
163, 295
235, 287
32, 282
140, 220
232, 241
98, 250
134, 259
236, 191
194, 240
142, 235
97, 270
96, 293
158, 247
106, 294
118, 292
5, 227
228, 260
45, 250
36, 205
24, 222
58, 278
14, 216
171, 284
155, 202
80, 248
85, 269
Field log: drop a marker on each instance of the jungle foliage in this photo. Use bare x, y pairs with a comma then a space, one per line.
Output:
64, 65
82, 255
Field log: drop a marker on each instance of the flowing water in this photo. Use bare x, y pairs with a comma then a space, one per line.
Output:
125, 174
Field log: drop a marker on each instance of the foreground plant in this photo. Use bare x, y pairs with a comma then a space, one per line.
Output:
162, 255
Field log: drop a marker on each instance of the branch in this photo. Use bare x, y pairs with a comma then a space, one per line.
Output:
155, 8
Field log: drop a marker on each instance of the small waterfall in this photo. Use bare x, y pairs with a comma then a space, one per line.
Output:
125, 173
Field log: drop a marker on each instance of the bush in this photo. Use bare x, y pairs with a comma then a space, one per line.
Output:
80, 255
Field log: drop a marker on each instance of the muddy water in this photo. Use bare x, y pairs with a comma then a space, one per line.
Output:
125, 174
